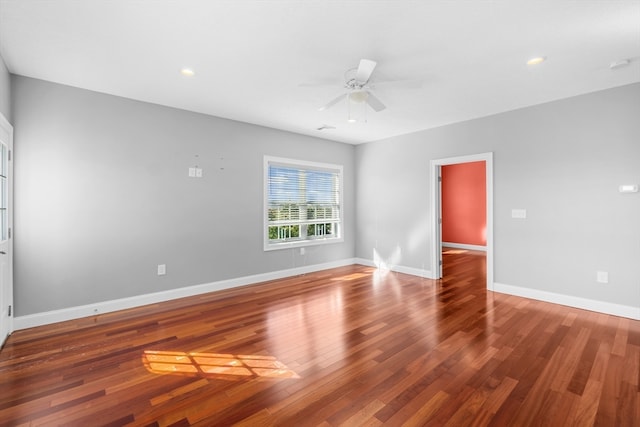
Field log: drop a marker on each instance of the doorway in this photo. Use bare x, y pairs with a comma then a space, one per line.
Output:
6, 223
436, 211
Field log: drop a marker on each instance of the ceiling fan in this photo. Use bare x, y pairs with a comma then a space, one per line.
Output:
358, 88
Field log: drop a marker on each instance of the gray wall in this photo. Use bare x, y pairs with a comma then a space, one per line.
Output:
5, 91
562, 161
102, 197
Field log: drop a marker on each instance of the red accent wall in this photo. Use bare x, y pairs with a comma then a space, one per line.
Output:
464, 206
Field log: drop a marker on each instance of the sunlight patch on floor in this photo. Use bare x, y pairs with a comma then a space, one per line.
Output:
454, 251
352, 276
225, 366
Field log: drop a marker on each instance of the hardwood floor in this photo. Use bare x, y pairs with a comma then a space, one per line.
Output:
350, 346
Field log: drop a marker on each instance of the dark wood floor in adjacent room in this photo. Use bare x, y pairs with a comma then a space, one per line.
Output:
350, 346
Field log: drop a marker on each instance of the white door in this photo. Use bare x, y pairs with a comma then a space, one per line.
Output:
436, 222
6, 224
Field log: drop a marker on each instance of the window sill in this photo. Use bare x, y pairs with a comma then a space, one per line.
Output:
301, 243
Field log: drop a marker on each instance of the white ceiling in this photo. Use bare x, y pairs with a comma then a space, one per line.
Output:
274, 63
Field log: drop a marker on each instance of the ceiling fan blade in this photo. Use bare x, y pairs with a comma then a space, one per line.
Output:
333, 102
364, 70
374, 102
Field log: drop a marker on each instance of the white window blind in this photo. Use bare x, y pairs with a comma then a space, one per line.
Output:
302, 203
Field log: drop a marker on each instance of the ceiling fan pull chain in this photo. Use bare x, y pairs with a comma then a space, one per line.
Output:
364, 110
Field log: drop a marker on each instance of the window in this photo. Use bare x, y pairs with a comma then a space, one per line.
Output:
303, 203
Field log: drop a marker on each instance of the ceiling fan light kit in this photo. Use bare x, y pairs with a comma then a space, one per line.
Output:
358, 96
357, 100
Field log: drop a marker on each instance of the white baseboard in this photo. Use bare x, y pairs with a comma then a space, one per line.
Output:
465, 246
45, 318
398, 268
54, 316
571, 301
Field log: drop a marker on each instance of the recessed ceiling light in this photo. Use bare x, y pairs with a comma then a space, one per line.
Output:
619, 64
537, 60
187, 72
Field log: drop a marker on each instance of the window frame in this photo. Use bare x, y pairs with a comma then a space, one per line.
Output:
306, 165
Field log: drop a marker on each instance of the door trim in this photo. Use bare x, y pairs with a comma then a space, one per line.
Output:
7, 130
436, 241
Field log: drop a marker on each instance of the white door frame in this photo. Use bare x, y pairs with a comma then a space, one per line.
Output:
436, 241
6, 246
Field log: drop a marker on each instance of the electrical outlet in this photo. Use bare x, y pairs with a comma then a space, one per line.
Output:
302, 251
198, 173
192, 172
519, 213
162, 269
602, 277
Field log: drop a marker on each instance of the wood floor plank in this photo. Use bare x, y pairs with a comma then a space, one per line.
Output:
350, 346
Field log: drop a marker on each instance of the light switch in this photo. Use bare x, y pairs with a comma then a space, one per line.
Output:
519, 213
192, 172
198, 173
